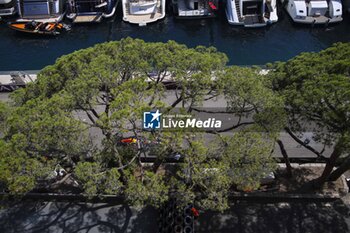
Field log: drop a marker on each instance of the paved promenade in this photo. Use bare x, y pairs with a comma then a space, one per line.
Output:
286, 217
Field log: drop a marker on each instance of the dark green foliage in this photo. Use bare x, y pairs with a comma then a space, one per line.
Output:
316, 88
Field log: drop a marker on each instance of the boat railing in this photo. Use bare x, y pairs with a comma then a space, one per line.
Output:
90, 1
192, 12
136, 1
34, 17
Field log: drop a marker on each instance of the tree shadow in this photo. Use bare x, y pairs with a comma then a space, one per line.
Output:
243, 217
305, 180
48, 217
278, 218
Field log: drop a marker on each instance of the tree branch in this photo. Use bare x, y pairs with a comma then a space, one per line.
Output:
319, 155
285, 157
220, 112
231, 128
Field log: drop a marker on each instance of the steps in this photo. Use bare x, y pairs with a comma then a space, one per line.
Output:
267, 15
238, 9
268, 10
159, 8
127, 8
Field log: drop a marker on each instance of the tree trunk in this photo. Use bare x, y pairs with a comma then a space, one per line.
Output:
286, 158
318, 182
112, 144
345, 166
156, 164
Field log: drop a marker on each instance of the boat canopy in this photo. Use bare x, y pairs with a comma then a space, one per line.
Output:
36, 8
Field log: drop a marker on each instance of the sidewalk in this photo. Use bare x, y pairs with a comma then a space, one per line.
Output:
11, 80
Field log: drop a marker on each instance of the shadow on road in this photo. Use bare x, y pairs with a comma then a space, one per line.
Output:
59, 217
278, 218
45, 217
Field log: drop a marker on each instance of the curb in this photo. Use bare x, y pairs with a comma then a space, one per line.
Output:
266, 197
65, 197
281, 197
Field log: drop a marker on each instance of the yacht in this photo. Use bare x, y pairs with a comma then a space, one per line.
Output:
142, 12
8, 7
314, 11
195, 8
89, 11
40, 10
251, 13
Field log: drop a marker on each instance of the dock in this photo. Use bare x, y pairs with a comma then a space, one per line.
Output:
12, 80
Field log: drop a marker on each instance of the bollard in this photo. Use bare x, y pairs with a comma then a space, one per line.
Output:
188, 229
188, 220
187, 211
178, 229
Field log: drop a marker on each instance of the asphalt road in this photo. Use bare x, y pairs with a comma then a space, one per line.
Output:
295, 217
293, 149
60, 217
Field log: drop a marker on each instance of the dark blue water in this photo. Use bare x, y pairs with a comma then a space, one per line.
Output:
278, 42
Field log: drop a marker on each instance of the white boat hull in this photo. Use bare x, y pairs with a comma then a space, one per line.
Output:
8, 11
143, 12
314, 12
235, 15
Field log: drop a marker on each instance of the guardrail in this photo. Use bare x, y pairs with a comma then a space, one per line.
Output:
298, 160
266, 197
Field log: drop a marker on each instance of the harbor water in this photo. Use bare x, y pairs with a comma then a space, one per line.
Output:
256, 46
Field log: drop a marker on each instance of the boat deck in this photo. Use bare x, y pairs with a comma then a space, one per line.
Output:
185, 12
253, 21
52, 19
143, 19
318, 20
87, 19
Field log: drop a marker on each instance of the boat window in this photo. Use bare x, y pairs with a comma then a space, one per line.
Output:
195, 7
301, 11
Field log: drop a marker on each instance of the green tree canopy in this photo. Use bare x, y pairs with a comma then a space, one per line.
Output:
316, 88
80, 107
250, 98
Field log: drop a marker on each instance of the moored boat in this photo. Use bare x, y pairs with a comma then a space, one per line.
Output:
314, 11
40, 10
34, 27
251, 13
90, 11
195, 8
142, 12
